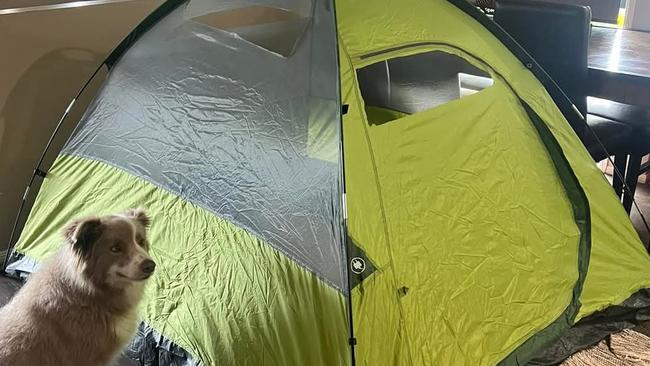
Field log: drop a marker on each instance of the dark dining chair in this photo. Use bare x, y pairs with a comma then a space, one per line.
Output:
602, 10
557, 37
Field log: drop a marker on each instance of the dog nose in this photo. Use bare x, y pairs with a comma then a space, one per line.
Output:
148, 266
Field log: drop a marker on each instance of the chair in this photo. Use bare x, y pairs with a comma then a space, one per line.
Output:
602, 10
557, 37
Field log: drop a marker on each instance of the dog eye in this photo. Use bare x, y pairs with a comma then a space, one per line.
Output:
140, 241
116, 249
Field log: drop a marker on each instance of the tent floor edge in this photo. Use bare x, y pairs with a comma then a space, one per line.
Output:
18, 266
592, 329
149, 347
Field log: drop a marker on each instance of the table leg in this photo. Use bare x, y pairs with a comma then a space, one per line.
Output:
631, 178
620, 163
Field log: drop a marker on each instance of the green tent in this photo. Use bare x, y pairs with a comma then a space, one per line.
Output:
372, 182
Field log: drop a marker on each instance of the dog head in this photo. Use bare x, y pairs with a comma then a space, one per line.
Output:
113, 250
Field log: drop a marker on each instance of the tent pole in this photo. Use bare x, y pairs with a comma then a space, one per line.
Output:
40, 173
38, 169
352, 341
110, 60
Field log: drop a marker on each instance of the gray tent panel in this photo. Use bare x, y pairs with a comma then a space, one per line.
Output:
232, 127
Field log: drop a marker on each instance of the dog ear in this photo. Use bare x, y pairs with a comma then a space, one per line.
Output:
81, 234
140, 215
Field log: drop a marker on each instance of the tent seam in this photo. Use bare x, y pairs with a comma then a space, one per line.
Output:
582, 216
361, 102
237, 224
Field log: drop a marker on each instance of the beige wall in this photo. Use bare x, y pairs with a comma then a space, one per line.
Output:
47, 55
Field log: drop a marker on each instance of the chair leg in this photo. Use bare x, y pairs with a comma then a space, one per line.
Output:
631, 178
620, 163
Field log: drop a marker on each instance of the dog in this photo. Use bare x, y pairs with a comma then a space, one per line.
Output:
79, 307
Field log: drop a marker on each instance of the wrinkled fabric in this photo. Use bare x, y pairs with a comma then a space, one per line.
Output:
20, 266
619, 264
455, 209
219, 292
150, 348
276, 26
226, 125
467, 251
596, 327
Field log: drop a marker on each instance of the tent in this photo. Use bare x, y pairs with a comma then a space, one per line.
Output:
365, 182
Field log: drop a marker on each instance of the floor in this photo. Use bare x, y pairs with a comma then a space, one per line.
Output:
8, 286
642, 198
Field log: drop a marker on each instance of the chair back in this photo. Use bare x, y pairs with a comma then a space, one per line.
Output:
601, 10
556, 36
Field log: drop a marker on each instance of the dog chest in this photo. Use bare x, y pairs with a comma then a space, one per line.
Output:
125, 326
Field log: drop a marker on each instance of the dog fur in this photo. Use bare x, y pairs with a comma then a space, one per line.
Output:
79, 307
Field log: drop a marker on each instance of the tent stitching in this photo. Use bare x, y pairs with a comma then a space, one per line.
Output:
360, 102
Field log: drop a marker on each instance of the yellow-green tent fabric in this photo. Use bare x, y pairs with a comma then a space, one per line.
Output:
316, 201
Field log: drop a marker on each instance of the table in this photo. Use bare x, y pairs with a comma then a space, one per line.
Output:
619, 65
619, 69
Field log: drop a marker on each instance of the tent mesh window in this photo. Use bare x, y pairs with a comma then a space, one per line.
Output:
275, 29
405, 85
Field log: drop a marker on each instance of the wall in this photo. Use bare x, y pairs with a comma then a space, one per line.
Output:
47, 55
639, 15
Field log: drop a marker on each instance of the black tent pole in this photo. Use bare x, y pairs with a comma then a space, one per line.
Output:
352, 341
38, 171
344, 239
110, 60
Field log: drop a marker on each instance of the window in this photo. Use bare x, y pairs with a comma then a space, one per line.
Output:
274, 29
405, 85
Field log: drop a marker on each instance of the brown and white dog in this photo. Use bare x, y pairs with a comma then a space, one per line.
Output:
79, 307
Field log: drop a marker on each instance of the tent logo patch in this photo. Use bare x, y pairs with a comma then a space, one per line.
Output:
358, 265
